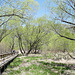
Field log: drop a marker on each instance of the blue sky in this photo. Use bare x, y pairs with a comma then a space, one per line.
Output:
42, 10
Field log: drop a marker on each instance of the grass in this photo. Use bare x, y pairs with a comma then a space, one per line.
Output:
60, 67
15, 72
16, 62
34, 69
39, 68
48, 55
32, 58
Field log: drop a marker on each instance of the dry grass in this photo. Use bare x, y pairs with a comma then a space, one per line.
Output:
40, 64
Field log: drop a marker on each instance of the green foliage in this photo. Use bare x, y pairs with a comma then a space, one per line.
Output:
35, 33
41, 30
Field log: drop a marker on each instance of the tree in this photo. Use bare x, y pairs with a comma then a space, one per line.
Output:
19, 33
11, 43
16, 10
4, 31
64, 12
35, 34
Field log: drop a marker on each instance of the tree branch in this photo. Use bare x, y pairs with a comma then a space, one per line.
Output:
66, 21
12, 15
5, 22
70, 4
4, 36
62, 35
67, 12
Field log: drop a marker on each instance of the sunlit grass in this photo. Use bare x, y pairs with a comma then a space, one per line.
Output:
38, 70
32, 58
15, 72
36, 67
16, 62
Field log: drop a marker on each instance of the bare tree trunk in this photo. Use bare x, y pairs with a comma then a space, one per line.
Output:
35, 51
20, 48
12, 47
28, 52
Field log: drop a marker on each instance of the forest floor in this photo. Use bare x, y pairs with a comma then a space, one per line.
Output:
38, 64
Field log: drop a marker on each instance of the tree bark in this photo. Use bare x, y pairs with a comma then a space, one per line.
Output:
20, 48
28, 52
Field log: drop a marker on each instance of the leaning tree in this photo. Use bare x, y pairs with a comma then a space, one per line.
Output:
63, 11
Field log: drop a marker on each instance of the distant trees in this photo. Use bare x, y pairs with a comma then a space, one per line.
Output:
4, 32
12, 42
16, 19
30, 37
35, 35
14, 14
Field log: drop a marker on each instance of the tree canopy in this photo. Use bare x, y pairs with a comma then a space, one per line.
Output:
21, 30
